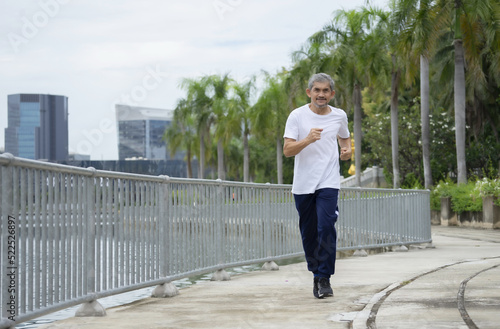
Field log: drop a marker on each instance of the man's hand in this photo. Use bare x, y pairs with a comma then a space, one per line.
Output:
345, 148
314, 135
293, 147
345, 153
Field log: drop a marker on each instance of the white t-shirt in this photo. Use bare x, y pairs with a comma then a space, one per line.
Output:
317, 165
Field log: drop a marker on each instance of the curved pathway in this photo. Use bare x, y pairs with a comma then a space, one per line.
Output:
463, 294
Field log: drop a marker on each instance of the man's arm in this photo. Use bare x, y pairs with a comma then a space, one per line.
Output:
345, 148
293, 147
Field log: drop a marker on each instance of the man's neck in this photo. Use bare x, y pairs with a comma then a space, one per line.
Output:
320, 110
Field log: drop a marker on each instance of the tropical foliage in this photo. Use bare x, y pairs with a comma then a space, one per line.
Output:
420, 84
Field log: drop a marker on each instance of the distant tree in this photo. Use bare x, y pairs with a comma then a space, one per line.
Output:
269, 115
475, 33
241, 103
419, 26
181, 134
200, 105
225, 123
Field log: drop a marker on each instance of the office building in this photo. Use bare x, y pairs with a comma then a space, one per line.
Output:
78, 157
140, 132
37, 126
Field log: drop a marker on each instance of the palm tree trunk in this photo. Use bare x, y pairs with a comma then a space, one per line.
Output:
201, 165
394, 123
425, 120
279, 159
246, 158
189, 166
459, 87
357, 132
220, 160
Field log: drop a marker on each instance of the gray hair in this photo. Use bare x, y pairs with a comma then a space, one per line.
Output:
320, 77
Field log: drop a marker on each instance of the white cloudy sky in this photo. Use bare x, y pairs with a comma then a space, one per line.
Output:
98, 53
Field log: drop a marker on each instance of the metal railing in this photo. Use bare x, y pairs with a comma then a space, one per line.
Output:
73, 235
370, 177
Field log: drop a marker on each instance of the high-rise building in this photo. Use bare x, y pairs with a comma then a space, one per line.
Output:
37, 126
140, 132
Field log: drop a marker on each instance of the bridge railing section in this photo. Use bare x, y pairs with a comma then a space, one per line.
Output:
73, 235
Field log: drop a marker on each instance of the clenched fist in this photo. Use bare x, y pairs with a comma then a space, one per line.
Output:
314, 135
345, 153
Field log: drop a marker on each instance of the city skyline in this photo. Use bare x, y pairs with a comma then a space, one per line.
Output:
136, 53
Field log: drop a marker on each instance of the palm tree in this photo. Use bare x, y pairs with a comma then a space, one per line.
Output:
476, 42
199, 103
419, 25
225, 123
386, 34
269, 115
241, 104
358, 63
425, 121
459, 96
181, 133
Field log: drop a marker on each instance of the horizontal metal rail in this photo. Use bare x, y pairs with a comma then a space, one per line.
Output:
73, 235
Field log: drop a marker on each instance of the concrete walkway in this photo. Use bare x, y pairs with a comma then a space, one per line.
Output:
456, 284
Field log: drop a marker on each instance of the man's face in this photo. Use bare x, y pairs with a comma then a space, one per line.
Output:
320, 94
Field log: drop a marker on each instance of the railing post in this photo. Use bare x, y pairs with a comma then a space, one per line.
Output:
163, 221
267, 221
268, 226
90, 237
92, 308
221, 274
401, 220
9, 253
167, 289
219, 223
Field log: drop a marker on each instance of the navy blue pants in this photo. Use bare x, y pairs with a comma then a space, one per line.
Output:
318, 214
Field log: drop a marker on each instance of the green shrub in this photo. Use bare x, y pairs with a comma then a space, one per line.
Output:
444, 188
441, 190
465, 197
435, 200
488, 187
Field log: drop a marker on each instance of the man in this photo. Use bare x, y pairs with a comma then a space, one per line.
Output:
311, 134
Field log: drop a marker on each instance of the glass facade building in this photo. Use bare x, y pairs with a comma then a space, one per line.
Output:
37, 126
140, 133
